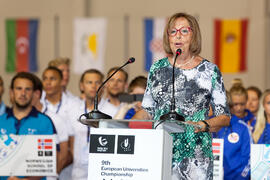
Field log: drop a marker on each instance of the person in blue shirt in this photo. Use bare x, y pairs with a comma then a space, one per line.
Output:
261, 134
237, 137
2, 105
23, 118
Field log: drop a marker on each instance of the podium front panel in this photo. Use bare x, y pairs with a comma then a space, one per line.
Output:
129, 154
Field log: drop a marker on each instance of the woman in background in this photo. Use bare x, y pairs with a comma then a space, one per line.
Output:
254, 95
261, 134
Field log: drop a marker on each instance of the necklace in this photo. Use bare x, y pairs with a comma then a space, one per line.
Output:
181, 65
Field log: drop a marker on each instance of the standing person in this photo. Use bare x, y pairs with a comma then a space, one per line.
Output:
90, 82
239, 98
237, 140
261, 134
254, 95
114, 87
199, 84
2, 104
59, 123
63, 64
59, 109
23, 118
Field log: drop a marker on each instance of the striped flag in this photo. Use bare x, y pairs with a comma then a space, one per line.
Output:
21, 37
153, 40
231, 45
216, 147
89, 43
45, 144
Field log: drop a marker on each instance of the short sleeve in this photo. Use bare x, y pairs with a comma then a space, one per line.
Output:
218, 99
148, 102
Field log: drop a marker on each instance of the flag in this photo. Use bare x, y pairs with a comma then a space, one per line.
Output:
21, 38
230, 45
89, 43
216, 147
153, 40
45, 144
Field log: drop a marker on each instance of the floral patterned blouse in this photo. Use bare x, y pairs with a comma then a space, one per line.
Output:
195, 90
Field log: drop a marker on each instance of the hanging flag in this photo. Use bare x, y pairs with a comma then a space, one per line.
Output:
153, 40
89, 43
21, 37
230, 45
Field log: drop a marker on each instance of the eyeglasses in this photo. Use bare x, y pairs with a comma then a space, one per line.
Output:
183, 31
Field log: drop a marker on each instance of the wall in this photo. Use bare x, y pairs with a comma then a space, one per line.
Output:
130, 14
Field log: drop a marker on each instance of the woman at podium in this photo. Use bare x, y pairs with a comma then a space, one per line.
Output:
198, 86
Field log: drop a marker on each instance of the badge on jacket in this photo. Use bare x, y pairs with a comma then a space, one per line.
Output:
233, 137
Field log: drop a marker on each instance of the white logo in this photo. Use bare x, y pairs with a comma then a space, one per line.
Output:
102, 141
125, 145
233, 137
22, 44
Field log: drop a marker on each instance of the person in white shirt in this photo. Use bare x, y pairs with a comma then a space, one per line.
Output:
90, 82
63, 64
114, 87
58, 108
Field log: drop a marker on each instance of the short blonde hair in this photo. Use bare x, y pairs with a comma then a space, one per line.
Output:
59, 61
196, 41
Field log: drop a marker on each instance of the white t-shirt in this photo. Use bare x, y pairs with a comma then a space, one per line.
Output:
81, 143
109, 108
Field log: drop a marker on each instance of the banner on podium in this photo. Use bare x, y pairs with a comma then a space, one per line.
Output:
27, 155
260, 161
130, 154
217, 146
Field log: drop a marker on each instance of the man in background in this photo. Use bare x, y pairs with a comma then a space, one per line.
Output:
2, 105
90, 82
114, 87
23, 118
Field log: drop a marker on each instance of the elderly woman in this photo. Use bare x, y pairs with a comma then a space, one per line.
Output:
198, 85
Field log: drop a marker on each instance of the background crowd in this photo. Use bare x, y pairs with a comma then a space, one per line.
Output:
45, 106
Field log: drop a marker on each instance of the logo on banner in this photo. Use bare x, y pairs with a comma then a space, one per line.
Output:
125, 144
45, 147
102, 143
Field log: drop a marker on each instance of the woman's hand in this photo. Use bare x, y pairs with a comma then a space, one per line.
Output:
199, 126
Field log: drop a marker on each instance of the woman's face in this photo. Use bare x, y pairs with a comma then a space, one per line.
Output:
239, 105
182, 38
266, 105
253, 101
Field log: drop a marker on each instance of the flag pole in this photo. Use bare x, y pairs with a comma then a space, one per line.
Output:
56, 35
126, 37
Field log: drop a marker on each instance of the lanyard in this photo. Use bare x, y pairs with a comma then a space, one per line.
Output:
2, 108
88, 128
58, 107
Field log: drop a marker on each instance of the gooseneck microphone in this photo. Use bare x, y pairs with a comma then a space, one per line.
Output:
173, 115
96, 114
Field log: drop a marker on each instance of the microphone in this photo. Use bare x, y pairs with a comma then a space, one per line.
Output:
96, 114
173, 115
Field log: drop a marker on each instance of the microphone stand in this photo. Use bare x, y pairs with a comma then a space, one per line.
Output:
95, 113
173, 115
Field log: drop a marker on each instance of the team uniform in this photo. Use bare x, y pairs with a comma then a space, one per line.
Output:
35, 123
237, 140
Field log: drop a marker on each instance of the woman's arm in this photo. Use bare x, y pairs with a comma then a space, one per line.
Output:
215, 124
